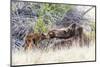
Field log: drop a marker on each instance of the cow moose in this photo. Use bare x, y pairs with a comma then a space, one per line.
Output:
74, 32
63, 34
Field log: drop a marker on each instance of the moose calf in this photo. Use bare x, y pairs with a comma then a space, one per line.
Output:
32, 39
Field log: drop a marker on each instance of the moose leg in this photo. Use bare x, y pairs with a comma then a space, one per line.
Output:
80, 41
25, 46
28, 45
35, 43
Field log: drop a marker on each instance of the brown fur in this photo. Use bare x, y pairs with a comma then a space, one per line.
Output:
63, 34
73, 31
32, 39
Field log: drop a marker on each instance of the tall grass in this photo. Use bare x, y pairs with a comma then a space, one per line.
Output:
50, 56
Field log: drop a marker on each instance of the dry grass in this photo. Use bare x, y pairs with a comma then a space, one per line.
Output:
57, 56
